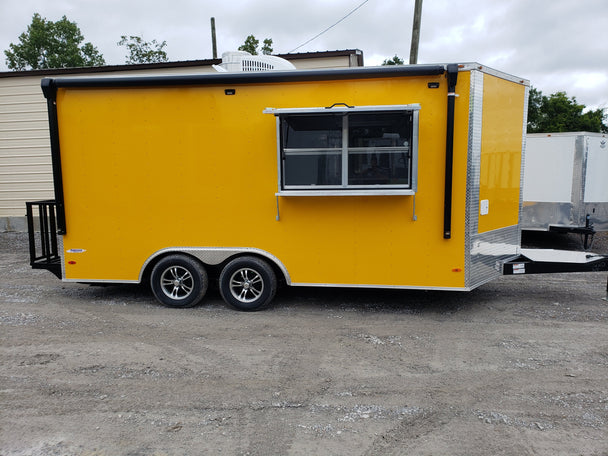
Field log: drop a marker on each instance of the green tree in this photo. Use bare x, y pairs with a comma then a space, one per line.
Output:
559, 113
396, 60
535, 99
141, 51
48, 44
267, 48
251, 45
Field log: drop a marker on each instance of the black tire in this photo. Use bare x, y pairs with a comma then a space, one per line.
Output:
248, 283
179, 281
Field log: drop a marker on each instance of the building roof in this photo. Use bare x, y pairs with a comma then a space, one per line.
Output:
358, 54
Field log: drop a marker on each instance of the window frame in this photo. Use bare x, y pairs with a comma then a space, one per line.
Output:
344, 188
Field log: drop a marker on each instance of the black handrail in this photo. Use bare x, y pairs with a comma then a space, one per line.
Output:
452, 75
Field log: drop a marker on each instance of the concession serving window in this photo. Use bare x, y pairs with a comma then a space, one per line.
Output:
345, 150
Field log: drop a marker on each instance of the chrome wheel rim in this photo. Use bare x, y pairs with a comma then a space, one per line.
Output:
246, 285
177, 282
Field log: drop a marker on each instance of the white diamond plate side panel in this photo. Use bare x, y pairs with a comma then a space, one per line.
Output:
488, 251
473, 168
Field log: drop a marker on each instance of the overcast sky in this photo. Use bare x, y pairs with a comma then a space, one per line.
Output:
559, 45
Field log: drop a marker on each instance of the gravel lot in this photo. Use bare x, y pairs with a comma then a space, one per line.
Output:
516, 367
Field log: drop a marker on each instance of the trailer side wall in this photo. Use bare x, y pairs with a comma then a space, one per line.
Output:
152, 168
146, 169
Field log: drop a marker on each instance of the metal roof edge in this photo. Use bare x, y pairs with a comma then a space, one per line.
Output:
472, 66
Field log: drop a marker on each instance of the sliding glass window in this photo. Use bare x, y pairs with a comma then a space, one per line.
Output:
358, 148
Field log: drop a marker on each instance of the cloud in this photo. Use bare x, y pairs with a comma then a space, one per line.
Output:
556, 44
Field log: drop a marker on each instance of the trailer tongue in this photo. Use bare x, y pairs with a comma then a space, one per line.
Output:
549, 261
542, 261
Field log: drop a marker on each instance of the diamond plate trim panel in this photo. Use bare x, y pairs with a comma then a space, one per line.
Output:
473, 169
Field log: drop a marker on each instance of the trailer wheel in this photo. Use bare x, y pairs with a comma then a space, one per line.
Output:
248, 283
179, 281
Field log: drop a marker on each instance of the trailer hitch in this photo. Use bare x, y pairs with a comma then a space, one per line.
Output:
550, 261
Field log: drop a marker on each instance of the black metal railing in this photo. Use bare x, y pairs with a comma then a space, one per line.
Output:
44, 253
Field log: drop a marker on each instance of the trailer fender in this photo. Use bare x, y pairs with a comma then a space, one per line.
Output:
215, 255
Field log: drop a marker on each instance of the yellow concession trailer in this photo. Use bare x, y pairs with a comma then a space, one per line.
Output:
404, 177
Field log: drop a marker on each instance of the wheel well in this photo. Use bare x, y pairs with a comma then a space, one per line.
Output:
213, 270
145, 276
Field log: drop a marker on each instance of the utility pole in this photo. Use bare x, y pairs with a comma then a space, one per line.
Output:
213, 42
416, 32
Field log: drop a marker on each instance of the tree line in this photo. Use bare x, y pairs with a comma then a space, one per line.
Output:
554, 113
47, 44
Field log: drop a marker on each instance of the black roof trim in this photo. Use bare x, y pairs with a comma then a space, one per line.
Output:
48, 88
50, 85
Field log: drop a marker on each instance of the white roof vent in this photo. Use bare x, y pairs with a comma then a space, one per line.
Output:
244, 61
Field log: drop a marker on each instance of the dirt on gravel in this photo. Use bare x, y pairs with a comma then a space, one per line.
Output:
517, 367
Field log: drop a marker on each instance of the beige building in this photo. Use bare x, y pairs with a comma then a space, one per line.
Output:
25, 155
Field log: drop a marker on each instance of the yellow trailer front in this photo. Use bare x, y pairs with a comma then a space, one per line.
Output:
405, 177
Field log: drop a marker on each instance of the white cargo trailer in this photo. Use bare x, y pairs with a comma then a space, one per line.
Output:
565, 183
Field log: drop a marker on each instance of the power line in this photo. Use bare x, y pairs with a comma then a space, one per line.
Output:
330, 27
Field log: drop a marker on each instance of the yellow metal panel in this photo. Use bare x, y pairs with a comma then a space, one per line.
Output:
501, 148
150, 168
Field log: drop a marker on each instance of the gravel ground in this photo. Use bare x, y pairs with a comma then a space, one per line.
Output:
516, 367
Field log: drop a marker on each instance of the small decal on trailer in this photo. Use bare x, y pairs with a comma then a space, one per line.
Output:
75, 251
519, 268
